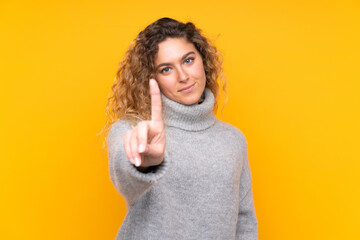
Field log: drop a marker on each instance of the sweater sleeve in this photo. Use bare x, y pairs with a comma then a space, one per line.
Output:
247, 226
128, 181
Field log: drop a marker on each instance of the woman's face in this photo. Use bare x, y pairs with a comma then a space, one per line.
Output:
180, 71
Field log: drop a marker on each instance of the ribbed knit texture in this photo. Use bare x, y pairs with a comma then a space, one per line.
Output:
202, 190
191, 118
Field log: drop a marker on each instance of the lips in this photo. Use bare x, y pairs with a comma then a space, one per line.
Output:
186, 88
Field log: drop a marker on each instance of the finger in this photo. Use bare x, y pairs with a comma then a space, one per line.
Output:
134, 147
156, 114
142, 136
156, 150
127, 146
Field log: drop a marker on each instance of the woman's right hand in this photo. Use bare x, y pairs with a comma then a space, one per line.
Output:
145, 143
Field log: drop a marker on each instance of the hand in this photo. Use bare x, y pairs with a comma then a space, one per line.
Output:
145, 144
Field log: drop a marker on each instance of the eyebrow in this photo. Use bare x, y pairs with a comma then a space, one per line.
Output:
182, 58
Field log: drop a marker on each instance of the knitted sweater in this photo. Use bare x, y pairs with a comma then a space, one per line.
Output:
202, 189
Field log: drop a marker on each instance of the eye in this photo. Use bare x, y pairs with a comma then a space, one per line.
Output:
189, 60
165, 70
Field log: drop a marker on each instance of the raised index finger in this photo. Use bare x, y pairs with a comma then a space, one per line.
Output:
156, 114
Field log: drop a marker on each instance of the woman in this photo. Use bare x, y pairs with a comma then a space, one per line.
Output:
183, 173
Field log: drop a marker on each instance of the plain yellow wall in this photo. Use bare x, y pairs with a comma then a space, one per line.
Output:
293, 82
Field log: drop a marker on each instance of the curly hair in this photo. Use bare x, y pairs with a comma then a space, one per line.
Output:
130, 94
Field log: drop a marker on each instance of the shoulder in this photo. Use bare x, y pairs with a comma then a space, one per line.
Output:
230, 131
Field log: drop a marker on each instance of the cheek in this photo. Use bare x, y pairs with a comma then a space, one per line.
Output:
165, 83
200, 72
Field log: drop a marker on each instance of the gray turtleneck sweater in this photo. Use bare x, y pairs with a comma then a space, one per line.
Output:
202, 189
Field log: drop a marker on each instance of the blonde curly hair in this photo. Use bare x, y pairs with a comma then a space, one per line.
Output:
130, 95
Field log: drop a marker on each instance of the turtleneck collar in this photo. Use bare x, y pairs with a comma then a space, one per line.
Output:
195, 117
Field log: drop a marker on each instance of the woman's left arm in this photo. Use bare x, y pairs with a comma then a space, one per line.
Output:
247, 226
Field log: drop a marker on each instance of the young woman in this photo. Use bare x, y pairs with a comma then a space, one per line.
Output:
183, 173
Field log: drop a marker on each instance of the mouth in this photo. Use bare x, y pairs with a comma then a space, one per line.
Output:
187, 89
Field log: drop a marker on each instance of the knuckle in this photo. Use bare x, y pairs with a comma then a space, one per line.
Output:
141, 124
126, 135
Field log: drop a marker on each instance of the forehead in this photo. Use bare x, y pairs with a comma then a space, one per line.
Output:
173, 49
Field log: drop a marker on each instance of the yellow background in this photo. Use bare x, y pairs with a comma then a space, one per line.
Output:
293, 72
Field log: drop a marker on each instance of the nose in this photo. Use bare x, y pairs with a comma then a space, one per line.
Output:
182, 74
